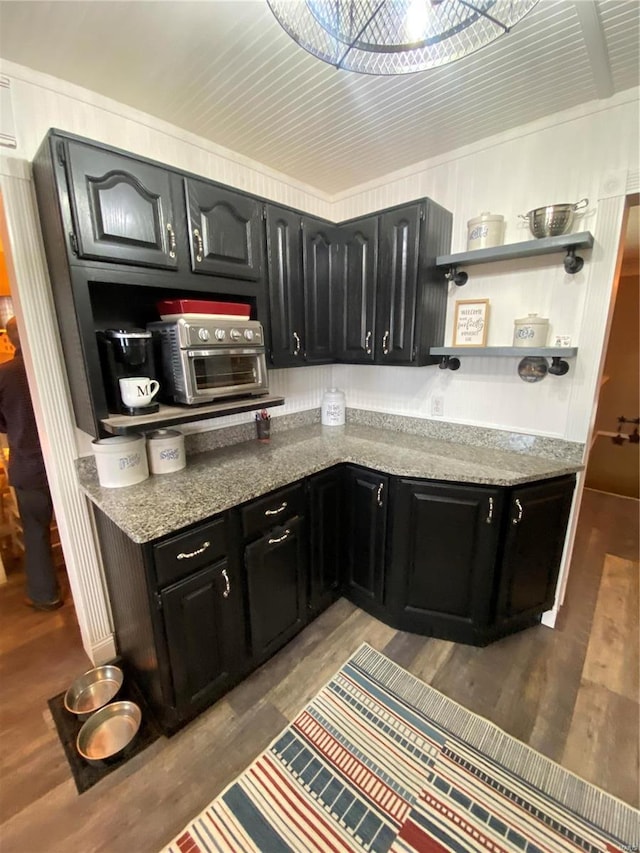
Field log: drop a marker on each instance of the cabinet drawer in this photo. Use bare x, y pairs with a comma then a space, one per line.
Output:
189, 552
274, 509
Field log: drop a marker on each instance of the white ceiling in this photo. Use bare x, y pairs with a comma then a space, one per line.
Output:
225, 70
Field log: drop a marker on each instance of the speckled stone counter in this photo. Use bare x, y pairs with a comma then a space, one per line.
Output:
218, 479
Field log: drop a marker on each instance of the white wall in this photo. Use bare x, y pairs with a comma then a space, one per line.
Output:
587, 152
560, 160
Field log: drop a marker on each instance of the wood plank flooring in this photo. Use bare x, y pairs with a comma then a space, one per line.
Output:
571, 693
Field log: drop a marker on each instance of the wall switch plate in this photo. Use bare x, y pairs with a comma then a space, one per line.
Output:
437, 406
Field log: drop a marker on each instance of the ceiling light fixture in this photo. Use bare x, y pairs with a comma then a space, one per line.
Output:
396, 36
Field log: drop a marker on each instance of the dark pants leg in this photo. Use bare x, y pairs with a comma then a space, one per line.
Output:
36, 511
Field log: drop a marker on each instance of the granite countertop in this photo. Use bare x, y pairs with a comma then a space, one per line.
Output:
216, 480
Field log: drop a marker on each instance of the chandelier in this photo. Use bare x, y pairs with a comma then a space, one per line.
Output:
396, 36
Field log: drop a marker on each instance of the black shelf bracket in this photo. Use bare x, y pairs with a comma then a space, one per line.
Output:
456, 277
572, 262
558, 366
449, 362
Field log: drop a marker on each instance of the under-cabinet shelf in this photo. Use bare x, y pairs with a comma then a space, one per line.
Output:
529, 248
168, 416
533, 360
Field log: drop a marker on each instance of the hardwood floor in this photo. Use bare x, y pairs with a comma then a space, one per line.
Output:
571, 693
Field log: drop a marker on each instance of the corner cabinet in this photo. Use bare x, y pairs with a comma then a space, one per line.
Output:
301, 259
474, 563
366, 524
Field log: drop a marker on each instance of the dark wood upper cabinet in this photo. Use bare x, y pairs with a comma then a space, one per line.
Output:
356, 283
301, 255
225, 231
391, 298
398, 279
286, 295
319, 244
121, 207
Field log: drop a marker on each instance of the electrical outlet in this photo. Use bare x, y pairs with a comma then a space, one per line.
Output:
437, 406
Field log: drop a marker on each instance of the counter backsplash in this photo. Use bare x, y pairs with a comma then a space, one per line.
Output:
533, 445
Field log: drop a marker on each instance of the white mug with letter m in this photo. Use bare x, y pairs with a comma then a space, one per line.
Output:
138, 391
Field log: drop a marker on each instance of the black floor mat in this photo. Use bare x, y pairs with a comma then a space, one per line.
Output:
86, 775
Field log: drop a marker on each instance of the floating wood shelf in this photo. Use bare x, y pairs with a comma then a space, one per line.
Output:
519, 352
526, 249
169, 416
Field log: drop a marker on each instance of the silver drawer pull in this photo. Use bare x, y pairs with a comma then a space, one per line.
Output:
282, 507
367, 343
379, 496
489, 518
385, 343
280, 538
296, 337
201, 550
227, 588
518, 518
172, 240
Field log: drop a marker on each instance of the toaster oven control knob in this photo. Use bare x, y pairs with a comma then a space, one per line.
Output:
248, 334
203, 334
220, 334
235, 335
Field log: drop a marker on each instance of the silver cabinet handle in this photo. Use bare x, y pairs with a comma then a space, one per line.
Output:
489, 518
172, 240
380, 488
199, 247
227, 587
385, 343
201, 550
297, 340
367, 343
280, 539
282, 506
518, 518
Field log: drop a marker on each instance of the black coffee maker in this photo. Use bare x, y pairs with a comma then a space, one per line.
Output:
124, 353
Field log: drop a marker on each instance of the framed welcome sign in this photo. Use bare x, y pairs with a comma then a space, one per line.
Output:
471, 323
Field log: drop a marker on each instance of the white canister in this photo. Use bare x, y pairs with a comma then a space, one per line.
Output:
531, 331
485, 231
121, 460
165, 451
333, 407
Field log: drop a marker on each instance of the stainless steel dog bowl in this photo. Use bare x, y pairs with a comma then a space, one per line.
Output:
93, 690
554, 219
107, 733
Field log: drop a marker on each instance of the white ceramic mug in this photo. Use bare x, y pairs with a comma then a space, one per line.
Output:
138, 391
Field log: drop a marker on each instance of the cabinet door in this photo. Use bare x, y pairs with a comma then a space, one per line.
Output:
537, 526
204, 622
366, 524
398, 282
325, 538
286, 296
225, 231
357, 280
319, 254
122, 207
277, 587
444, 548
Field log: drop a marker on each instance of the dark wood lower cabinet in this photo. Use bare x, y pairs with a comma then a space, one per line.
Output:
277, 587
366, 522
326, 537
443, 552
204, 624
195, 612
536, 525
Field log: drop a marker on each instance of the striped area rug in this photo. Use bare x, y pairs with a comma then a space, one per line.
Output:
379, 761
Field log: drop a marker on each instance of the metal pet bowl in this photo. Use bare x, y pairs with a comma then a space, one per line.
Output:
107, 733
93, 690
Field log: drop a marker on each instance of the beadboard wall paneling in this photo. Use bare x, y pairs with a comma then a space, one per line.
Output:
542, 164
41, 102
